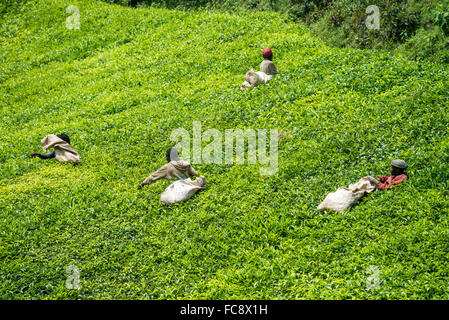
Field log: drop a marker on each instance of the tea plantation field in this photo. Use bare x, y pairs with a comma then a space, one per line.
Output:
128, 77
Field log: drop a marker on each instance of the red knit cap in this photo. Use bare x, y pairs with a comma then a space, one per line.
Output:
266, 53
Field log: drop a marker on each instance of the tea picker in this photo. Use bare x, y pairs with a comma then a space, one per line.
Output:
345, 197
62, 150
175, 168
267, 66
397, 176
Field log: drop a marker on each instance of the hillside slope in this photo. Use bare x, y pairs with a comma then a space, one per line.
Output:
127, 78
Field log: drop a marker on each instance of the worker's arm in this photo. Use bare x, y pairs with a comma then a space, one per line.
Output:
383, 185
373, 180
159, 174
149, 180
192, 172
43, 156
398, 180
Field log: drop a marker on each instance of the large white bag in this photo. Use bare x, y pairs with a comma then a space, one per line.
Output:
181, 190
343, 198
253, 79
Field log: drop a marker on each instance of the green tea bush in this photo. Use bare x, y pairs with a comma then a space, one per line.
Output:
404, 24
129, 76
441, 17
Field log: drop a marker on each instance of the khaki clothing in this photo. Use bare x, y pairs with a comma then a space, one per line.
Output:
268, 67
63, 150
178, 169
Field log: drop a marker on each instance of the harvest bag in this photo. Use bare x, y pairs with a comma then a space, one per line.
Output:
253, 79
63, 150
258, 78
343, 198
181, 190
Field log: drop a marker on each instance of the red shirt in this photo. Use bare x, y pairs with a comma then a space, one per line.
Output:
387, 182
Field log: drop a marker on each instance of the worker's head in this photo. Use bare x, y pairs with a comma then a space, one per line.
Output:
64, 137
171, 154
267, 53
398, 167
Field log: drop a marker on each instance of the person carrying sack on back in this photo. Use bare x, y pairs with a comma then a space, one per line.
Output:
63, 151
398, 175
344, 198
267, 64
175, 168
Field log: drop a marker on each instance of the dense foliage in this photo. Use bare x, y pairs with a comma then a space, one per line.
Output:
121, 83
417, 28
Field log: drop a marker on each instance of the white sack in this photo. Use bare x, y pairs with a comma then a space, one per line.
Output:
181, 190
253, 79
343, 198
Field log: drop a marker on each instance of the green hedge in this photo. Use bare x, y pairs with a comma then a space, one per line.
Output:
418, 29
